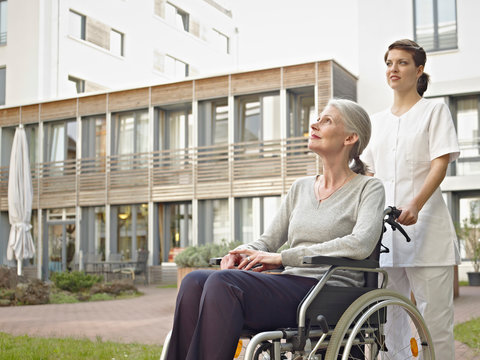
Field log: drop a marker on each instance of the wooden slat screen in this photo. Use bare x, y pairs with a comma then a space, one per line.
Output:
30, 114
62, 109
10, 116
256, 81
211, 88
299, 75
324, 84
92, 105
128, 99
242, 169
172, 93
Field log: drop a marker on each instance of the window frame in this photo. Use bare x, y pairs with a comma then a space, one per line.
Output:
3, 35
436, 36
83, 25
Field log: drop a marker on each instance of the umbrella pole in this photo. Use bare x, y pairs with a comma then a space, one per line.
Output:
19, 267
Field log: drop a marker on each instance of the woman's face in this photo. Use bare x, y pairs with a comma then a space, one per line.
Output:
402, 73
327, 135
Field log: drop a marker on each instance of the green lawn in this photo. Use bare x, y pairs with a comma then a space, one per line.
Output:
469, 333
34, 348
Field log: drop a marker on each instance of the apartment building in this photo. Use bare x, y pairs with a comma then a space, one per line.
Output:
54, 49
171, 163
166, 166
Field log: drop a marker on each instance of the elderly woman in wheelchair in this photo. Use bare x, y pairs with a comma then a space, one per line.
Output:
326, 220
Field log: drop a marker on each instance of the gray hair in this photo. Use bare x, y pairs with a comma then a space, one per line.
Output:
355, 120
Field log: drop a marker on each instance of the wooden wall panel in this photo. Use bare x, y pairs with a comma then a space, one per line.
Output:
91, 105
55, 110
128, 99
30, 114
299, 75
211, 88
256, 81
9, 116
172, 93
324, 73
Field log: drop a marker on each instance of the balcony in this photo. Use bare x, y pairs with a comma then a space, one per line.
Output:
242, 169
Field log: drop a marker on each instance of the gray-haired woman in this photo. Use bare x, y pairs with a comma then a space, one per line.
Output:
338, 213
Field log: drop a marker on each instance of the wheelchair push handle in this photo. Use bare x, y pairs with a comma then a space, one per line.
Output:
390, 215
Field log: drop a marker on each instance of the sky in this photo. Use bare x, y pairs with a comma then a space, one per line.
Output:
282, 32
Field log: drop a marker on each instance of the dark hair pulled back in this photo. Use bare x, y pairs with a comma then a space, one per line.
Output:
419, 57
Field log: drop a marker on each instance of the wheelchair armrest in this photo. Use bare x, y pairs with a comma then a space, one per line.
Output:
215, 261
327, 260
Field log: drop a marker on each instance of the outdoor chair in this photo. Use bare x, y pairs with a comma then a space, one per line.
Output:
137, 267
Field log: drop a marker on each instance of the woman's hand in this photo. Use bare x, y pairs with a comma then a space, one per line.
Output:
250, 258
409, 215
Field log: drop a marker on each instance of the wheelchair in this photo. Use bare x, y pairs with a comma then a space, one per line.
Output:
344, 322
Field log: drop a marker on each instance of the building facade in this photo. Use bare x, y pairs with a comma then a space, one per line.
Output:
166, 166
56, 49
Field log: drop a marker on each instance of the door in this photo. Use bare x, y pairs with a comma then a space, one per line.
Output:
61, 246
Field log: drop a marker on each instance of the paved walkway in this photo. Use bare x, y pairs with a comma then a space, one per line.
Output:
147, 319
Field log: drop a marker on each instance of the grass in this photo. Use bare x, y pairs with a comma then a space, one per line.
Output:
33, 348
469, 333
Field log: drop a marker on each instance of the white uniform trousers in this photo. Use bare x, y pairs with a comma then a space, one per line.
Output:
433, 291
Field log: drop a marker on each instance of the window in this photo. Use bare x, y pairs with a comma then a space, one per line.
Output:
213, 121
76, 25
130, 132
435, 24
221, 41
258, 118
301, 112
3, 84
116, 42
3, 22
213, 222
131, 231
78, 85
175, 228
468, 124
176, 17
175, 68
253, 216
60, 143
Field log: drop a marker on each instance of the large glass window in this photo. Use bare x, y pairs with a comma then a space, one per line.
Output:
94, 130
469, 207
213, 122
175, 228
258, 117
175, 128
76, 25
131, 229
253, 216
436, 24
130, 134
468, 122
213, 222
176, 17
301, 112
60, 145
3, 22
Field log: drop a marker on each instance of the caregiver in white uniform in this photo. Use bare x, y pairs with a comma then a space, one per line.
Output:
411, 145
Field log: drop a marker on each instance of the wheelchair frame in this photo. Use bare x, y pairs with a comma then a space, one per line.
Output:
360, 326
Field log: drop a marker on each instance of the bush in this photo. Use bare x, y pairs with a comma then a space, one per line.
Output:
75, 281
199, 256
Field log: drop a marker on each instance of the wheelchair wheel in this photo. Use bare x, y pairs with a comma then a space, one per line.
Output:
364, 326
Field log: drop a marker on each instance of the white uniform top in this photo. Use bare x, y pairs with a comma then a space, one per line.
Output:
399, 153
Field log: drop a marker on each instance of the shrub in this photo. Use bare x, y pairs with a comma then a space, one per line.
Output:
199, 256
75, 281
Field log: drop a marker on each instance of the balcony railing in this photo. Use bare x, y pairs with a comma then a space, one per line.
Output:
240, 169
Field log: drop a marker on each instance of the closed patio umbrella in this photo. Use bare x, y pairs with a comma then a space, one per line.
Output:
20, 194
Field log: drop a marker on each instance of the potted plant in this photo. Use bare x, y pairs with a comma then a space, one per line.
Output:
197, 257
469, 231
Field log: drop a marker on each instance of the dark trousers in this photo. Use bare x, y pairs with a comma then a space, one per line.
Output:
214, 306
